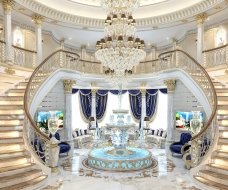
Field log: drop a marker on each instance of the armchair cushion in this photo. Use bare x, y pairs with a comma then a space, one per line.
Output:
176, 147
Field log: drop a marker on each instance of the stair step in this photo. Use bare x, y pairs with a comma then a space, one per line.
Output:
223, 141
222, 153
11, 170
14, 160
224, 90
222, 112
13, 112
7, 153
9, 117
10, 134
222, 98
223, 134
222, 93
9, 181
11, 147
25, 185
20, 87
15, 94
11, 98
22, 84
217, 168
6, 122
223, 128
11, 140
214, 176
9, 102
16, 90
222, 102
11, 128
220, 160
11, 107
210, 183
223, 122
223, 107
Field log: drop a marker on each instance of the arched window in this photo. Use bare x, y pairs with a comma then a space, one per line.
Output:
220, 37
18, 38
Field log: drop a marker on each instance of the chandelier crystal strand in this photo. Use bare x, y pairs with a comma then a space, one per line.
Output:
119, 50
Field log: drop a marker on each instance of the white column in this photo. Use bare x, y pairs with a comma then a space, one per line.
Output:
143, 107
174, 41
68, 133
7, 6
38, 20
93, 107
153, 53
83, 52
170, 115
200, 36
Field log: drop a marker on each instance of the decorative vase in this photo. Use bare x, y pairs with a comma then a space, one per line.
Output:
53, 128
195, 122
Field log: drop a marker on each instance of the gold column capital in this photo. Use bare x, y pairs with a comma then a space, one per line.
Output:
94, 91
7, 5
143, 91
200, 18
171, 84
37, 19
67, 83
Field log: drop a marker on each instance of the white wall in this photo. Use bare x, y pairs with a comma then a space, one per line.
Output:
184, 100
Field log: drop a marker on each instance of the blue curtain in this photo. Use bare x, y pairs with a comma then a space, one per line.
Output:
151, 102
163, 90
101, 103
135, 103
86, 102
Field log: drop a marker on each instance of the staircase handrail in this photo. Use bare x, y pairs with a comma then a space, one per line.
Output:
37, 139
200, 142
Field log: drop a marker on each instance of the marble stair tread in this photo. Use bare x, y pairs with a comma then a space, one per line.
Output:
11, 98
16, 90
19, 152
11, 139
11, 107
221, 158
214, 174
19, 175
9, 125
16, 167
210, 183
27, 184
11, 117
223, 107
217, 166
222, 98
12, 158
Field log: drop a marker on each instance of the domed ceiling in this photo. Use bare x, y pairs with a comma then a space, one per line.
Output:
81, 22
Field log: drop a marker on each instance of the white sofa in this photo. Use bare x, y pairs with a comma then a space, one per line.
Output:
157, 137
81, 137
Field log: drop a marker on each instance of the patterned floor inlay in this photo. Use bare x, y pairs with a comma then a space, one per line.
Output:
168, 173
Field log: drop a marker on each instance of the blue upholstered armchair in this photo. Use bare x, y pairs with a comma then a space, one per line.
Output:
177, 146
64, 147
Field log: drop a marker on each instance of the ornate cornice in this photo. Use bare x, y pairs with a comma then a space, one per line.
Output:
144, 22
68, 85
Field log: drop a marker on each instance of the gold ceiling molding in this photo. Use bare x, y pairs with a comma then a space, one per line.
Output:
99, 23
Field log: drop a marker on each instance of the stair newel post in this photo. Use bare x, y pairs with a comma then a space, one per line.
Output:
52, 155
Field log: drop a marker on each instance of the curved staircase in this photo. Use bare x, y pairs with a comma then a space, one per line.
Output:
215, 174
17, 171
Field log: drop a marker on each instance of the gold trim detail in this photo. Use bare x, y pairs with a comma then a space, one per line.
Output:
37, 19
68, 85
171, 84
7, 5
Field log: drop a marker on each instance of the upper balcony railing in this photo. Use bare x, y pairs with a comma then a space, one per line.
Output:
167, 61
216, 56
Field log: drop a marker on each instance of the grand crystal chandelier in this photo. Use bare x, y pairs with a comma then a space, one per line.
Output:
120, 50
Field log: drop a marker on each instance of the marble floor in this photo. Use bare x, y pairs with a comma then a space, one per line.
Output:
169, 174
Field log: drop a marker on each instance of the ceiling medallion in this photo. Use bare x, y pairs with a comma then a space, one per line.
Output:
119, 50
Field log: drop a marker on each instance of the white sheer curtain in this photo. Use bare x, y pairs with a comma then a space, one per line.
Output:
77, 121
113, 104
160, 117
